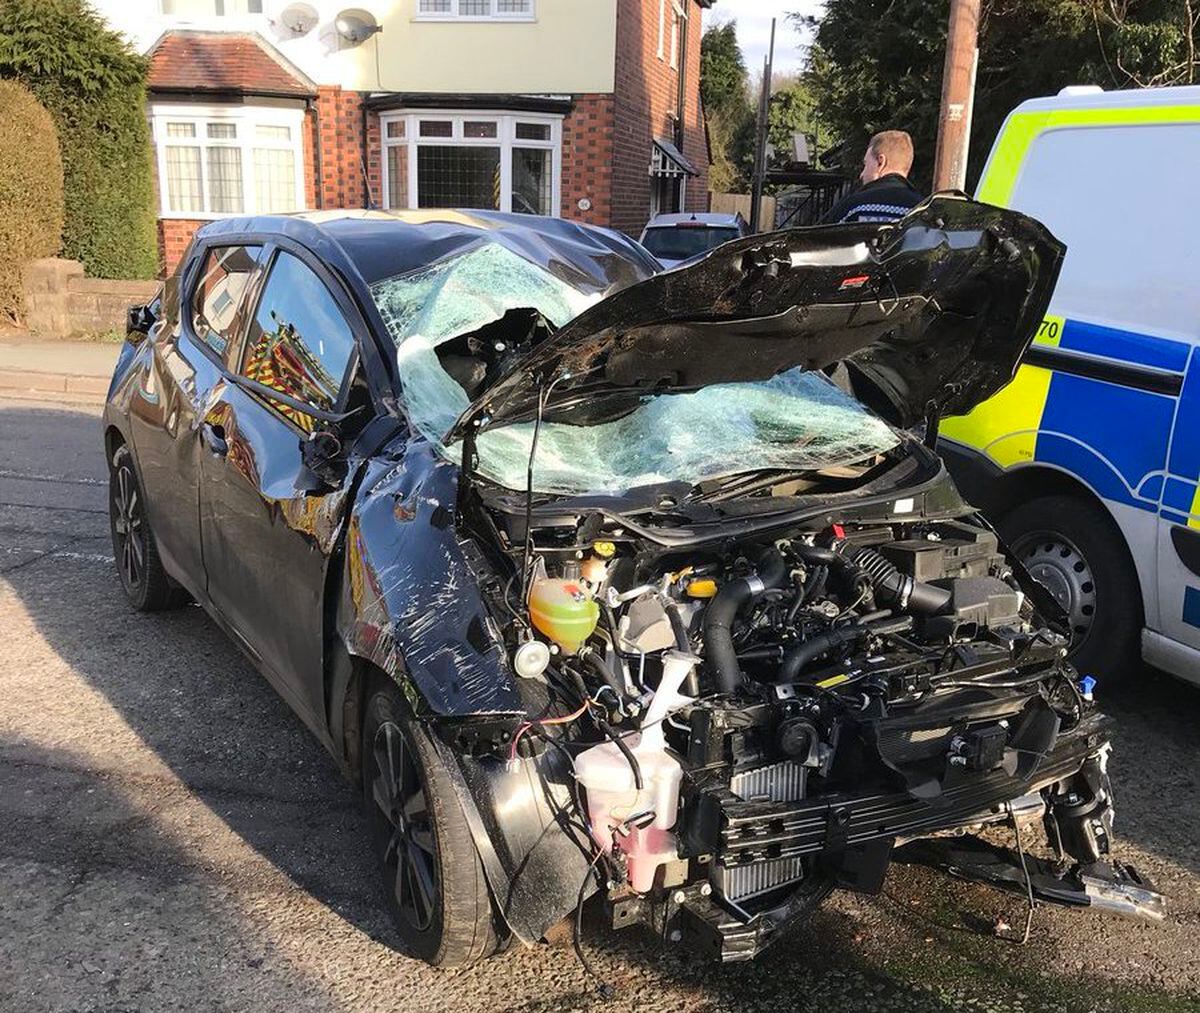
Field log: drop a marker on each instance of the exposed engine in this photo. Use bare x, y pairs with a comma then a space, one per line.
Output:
753, 726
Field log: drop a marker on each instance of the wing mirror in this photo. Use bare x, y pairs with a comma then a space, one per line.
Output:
139, 320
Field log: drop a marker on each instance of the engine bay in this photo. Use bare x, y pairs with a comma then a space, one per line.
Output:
750, 724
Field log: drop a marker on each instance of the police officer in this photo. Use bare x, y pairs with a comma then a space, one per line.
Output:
886, 195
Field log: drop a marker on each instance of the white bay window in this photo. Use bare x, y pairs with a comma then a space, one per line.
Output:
228, 160
495, 160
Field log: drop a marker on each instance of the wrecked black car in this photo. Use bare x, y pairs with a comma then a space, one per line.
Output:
601, 579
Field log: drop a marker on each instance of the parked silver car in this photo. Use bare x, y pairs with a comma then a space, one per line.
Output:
676, 238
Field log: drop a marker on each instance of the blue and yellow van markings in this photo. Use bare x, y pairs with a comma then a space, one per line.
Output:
1191, 606
1117, 438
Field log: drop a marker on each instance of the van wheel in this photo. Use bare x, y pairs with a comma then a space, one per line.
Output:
432, 876
1071, 546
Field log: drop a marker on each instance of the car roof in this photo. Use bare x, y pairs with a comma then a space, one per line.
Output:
705, 217
384, 244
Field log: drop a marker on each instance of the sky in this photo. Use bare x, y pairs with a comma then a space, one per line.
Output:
754, 30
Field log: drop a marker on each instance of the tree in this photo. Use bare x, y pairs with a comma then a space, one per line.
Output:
31, 198
728, 113
94, 86
877, 64
793, 110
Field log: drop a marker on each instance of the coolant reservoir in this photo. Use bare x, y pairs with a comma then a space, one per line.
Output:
563, 611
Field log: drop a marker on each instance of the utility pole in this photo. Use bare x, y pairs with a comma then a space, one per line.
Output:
958, 96
760, 136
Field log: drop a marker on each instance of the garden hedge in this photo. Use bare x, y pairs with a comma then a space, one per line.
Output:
31, 190
94, 85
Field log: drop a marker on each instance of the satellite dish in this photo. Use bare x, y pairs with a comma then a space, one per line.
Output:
355, 26
299, 19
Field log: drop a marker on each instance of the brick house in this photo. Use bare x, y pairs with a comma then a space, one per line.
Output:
588, 109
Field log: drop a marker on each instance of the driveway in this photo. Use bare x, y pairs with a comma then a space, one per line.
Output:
171, 837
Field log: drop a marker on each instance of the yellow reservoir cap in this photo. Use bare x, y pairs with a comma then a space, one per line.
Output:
702, 587
563, 611
605, 550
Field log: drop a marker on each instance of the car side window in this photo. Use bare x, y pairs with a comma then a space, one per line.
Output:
224, 276
299, 342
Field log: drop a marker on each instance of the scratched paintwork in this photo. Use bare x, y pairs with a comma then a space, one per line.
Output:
418, 610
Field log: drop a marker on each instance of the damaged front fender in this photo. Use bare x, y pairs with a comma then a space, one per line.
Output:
415, 609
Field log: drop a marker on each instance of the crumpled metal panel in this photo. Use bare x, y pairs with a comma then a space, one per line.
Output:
417, 609
544, 860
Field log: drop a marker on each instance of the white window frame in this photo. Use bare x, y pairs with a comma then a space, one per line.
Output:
246, 119
453, 15
662, 28
506, 139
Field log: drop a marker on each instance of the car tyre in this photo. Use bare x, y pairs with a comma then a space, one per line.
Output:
139, 566
433, 879
1074, 549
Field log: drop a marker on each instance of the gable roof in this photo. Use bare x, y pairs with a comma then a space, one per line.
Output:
226, 63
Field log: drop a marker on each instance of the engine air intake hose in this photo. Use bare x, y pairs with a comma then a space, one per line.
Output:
893, 589
723, 609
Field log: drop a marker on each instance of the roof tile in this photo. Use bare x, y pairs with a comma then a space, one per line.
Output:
238, 62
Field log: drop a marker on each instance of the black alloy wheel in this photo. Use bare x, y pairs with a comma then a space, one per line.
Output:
410, 854
128, 526
135, 551
434, 884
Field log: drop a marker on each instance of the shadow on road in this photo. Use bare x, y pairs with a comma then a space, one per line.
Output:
100, 907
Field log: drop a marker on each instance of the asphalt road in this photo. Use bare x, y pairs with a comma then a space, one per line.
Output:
172, 838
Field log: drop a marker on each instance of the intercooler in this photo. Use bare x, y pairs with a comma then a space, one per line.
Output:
777, 782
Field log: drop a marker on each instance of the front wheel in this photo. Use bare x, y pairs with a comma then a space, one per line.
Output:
433, 878
1073, 548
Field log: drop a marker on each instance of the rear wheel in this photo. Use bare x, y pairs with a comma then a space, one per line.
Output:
146, 583
1071, 546
432, 876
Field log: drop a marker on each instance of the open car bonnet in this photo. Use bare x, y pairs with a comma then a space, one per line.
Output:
928, 315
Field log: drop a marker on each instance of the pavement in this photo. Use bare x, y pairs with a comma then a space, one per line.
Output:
171, 836
41, 370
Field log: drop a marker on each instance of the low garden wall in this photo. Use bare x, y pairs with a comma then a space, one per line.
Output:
61, 302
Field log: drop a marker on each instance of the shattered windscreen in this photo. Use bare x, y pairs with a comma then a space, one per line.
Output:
796, 420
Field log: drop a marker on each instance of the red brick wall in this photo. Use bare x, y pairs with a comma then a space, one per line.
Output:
587, 155
174, 234
341, 139
646, 92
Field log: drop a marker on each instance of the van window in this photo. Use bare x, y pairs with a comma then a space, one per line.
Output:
299, 343
1120, 198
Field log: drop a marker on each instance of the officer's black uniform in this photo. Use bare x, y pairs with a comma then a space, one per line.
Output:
886, 199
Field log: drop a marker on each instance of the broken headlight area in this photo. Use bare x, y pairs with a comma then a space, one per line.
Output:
735, 732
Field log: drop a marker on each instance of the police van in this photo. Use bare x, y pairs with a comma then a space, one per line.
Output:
1089, 461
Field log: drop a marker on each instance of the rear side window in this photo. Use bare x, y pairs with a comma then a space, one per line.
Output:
218, 296
299, 343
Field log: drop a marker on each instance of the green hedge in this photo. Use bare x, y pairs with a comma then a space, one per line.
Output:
31, 190
94, 85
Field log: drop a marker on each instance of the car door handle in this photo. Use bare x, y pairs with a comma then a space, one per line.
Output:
214, 438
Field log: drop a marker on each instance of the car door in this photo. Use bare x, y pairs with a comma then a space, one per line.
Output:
266, 539
184, 354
